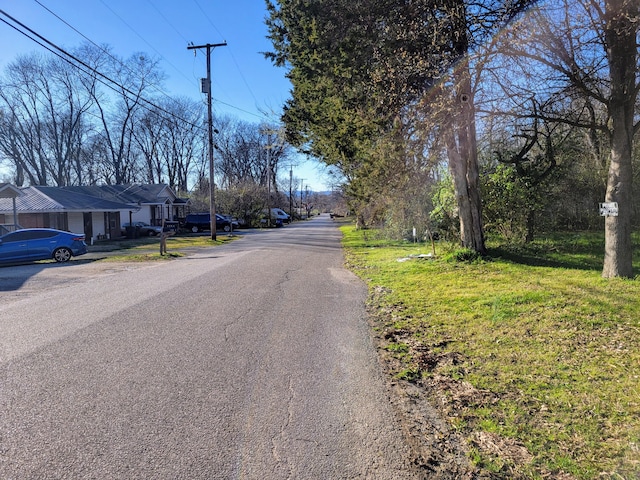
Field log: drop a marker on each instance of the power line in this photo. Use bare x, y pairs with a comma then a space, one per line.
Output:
261, 116
234, 61
143, 39
159, 12
100, 47
204, 13
101, 77
106, 52
66, 54
207, 17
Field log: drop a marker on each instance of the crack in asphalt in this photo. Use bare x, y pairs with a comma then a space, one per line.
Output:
227, 325
280, 436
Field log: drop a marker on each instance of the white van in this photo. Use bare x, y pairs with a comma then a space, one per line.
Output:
280, 214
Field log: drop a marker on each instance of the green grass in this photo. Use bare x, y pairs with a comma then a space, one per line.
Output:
551, 350
147, 249
130, 256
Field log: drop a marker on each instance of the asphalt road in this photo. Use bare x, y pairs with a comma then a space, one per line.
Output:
251, 360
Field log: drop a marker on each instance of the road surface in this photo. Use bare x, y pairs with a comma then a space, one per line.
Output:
247, 361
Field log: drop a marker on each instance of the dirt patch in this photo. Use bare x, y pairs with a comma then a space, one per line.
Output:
437, 450
428, 406
502, 447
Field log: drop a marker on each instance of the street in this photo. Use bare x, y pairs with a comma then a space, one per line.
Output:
247, 361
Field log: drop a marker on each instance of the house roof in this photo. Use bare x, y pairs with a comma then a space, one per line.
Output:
37, 199
134, 194
96, 198
80, 201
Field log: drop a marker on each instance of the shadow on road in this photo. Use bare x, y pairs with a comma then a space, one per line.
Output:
14, 276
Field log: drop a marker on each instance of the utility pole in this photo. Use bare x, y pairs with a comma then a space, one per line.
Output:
301, 188
291, 191
206, 88
269, 178
270, 170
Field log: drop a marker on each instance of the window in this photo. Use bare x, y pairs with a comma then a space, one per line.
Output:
24, 235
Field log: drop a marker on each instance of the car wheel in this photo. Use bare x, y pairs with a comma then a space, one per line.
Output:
62, 255
227, 228
151, 233
194, 229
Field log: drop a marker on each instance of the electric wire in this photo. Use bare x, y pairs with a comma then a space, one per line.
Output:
207, 17
100, 47
159, 12
235, 61
143, 39
87, 69
106, 52
186, 41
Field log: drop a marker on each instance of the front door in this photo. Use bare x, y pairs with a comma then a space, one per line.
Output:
112, 224
87, 217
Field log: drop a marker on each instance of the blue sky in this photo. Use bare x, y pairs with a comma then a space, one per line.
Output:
245, 84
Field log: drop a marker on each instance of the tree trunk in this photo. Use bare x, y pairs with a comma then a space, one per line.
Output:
531, 225
462, 145
458, 169
473, 172
462, 151
620, 35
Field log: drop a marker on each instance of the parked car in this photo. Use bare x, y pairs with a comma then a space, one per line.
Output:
198, 222
278, 217
32, 244
144, 229
281, 215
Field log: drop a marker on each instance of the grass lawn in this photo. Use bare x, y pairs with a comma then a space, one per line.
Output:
546, 351
146, 249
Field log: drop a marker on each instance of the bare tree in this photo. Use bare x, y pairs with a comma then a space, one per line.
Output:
44, 122
249, 152
69, 123
170, 139
119, 112
148, 137
587, 52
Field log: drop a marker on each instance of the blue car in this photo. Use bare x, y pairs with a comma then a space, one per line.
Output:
40, 244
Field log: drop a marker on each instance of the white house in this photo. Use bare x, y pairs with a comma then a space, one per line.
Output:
97, 211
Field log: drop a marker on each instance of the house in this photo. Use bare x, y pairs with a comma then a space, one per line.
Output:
148, 203
98, 211
53, 207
